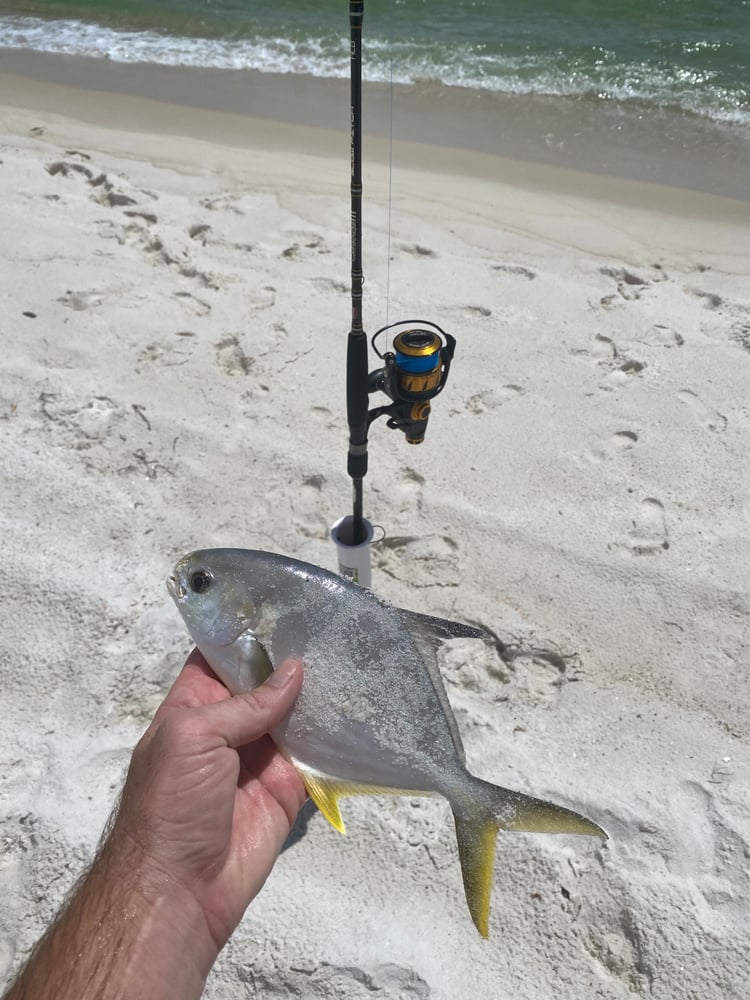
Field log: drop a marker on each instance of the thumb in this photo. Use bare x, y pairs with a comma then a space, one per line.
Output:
246, 717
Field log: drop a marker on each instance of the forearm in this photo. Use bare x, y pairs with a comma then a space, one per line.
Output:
123, 935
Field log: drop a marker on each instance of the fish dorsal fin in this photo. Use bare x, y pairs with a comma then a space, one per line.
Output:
325, 791
440, 630
429, 634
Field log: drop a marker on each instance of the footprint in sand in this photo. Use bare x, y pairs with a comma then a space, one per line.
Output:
630, 366
167, 353
603, 349
196, 306
115, 194
231, 358
624, 440
389, 982
147, 217
222, 203
307, 507
66, 169
705, 416
261, 298
605, 352
81, 300
417, 250
189, 270
630, 286
648, 532
491, 399
105, 192
539, 674
740, 334
430, 561
476, 666
710, 299
618, 942
82, 425
408, 490
329, 285
619, 443
516, 269
199, 232
307, 242
665, 336
97, 418
621, 274
138, 234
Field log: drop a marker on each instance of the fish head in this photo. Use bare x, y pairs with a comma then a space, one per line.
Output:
214, 597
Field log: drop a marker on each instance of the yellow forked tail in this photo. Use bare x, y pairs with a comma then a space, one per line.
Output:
485, 810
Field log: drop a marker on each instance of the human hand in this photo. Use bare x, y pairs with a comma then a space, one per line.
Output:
209, 800
206, 807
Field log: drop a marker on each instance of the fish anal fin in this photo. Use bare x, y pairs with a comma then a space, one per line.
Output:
325, 794
325, 791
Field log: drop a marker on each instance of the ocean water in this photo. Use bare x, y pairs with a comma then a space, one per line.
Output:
691, 57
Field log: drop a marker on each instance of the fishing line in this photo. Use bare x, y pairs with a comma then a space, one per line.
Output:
390, 169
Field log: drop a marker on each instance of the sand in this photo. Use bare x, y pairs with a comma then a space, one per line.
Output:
173, 323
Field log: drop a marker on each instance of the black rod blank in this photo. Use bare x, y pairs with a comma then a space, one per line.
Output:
356, 356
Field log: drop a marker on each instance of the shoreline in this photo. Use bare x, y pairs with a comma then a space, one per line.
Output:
608, 142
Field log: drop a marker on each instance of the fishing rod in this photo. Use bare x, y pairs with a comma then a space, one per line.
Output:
413, 373
356, 351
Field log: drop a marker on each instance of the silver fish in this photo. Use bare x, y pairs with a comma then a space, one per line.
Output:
373, 717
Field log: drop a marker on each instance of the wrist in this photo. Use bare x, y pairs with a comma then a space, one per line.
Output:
123, 934
169, 937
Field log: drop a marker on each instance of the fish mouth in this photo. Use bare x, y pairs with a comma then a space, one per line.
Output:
176, 586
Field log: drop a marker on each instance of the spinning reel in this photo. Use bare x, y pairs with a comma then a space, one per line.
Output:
414, 372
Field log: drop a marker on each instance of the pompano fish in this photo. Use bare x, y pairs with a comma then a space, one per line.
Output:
373, 717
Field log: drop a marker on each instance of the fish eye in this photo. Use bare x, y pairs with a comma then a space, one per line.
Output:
200, 581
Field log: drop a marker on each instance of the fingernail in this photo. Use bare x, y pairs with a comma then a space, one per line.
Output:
283, 674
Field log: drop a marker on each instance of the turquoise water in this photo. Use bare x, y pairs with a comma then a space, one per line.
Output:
683, 55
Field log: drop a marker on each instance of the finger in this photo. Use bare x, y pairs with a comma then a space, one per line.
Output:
263, 765
246, 717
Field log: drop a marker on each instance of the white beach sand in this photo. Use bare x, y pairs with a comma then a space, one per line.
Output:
173, 318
